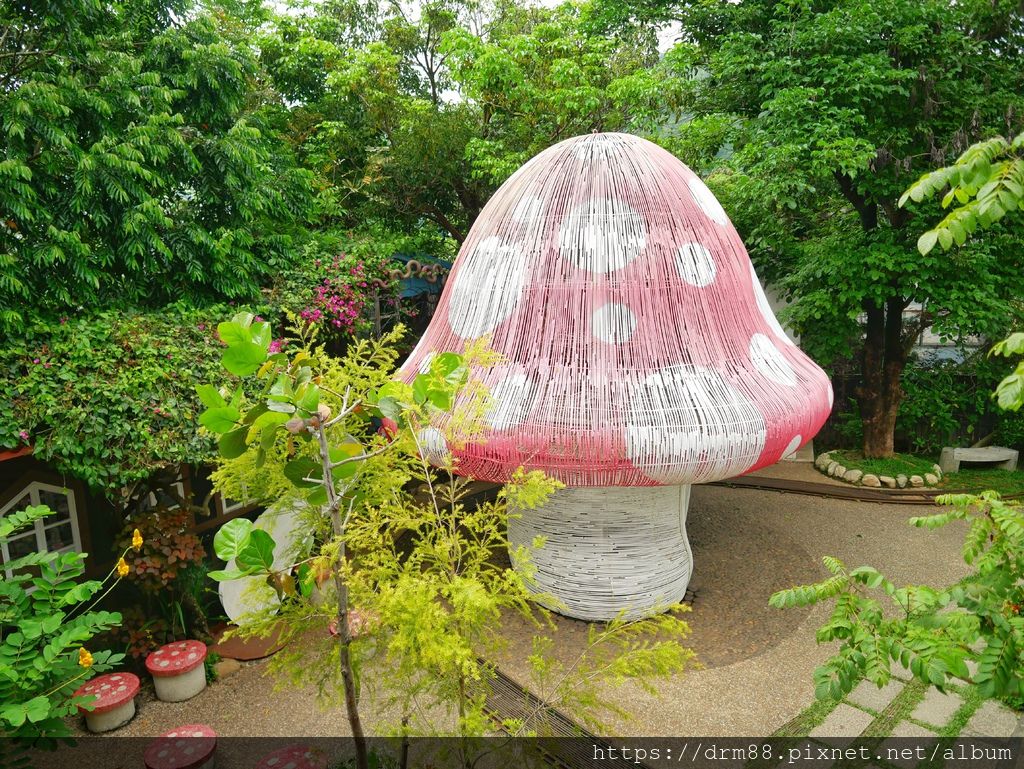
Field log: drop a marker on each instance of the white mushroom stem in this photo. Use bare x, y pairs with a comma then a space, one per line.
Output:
607, 550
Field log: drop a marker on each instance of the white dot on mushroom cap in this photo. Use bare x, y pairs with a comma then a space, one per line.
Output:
486, 286
163, 663
768, 360
602, 235
427, 360
433, 446
162, 754
613, 323
272, 761
528, 209
766, 309
695, 264
688, 425
512, 399
707, 201
793, 445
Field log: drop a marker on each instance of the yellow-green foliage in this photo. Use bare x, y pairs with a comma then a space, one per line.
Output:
424, 572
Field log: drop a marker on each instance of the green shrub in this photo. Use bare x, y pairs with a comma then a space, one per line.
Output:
47, 625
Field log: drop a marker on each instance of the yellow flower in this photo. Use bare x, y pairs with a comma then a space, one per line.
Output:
137, 540
84, 658
122, 567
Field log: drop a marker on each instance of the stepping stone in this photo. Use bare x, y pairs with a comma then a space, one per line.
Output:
867, 695
844, 721
937, 708
113, 701
898, 752
907, 729
187, 747
292, 757
177, 670
991, 720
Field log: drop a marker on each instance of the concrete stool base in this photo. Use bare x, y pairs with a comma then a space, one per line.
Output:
180, 687
111, 719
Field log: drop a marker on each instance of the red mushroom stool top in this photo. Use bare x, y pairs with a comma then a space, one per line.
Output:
185, 747
176, 658
111, 691
292, 757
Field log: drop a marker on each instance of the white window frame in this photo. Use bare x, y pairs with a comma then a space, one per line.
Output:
40, 526
228, 506
178, 485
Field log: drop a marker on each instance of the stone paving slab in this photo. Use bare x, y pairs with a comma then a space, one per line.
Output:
867, 695
907, 756
936, 707
844, 721
907, 729
991, 720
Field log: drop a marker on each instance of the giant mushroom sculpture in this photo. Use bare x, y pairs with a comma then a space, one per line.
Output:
640, 356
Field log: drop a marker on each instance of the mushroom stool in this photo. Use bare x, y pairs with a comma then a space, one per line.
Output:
114, 705
177, 670
292, 757
192, 746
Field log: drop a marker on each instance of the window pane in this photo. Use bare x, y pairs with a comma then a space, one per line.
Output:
55, 501
59, 536
21, 504
21, 546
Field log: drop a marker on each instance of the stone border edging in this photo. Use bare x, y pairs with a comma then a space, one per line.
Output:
825, 464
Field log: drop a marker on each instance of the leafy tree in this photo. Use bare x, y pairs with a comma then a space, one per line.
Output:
931, 631
138, 160
986, 183
420, 611
424, 118
827, 110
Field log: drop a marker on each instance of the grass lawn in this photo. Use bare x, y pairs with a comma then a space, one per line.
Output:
897, 464
1004, 481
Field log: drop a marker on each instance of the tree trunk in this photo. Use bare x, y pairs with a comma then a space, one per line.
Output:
882, 363
344, 629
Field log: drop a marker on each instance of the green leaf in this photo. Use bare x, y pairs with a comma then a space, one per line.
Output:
226, 575
220, 419
232, 538
232, 445
298, 469
244, 358
210, 396
926, 242
258, 554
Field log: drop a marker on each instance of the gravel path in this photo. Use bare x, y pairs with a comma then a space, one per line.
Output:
757, 661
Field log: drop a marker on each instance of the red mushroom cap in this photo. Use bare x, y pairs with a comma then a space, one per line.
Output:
639, 348
292, 757
176, 658
111, 691
185, 747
